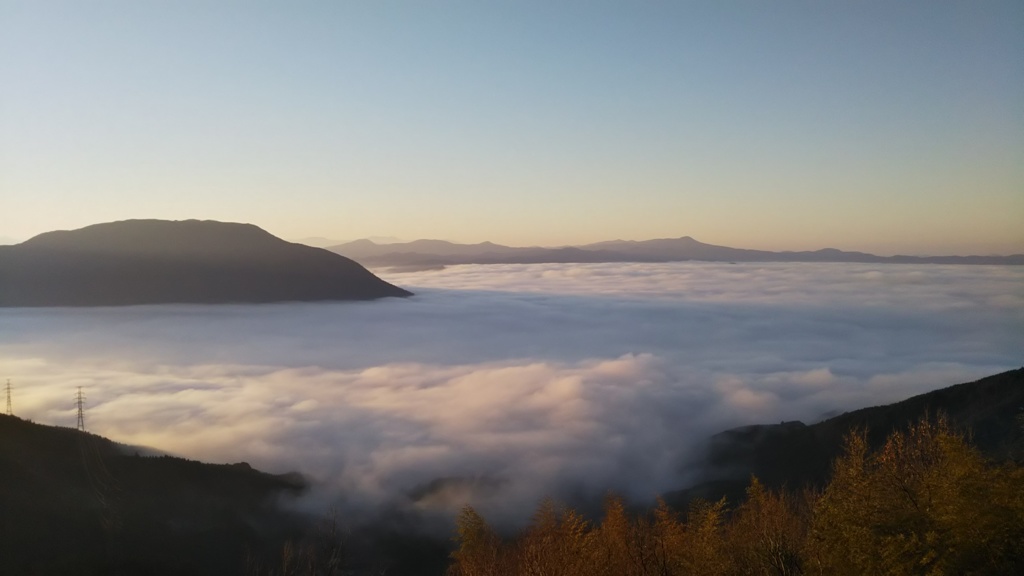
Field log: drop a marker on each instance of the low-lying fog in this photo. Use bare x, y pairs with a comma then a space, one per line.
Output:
534, 379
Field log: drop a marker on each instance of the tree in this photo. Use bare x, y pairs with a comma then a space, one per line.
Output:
558, 542
766, 534
925, 503
478, 551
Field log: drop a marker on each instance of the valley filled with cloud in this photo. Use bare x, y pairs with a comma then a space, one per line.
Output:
497, 385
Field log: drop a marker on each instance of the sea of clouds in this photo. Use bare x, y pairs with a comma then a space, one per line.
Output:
510, 382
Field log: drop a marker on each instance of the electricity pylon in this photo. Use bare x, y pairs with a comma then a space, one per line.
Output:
80, 401
10, 410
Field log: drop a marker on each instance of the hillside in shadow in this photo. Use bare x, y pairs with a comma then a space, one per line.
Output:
76, 503
794, 454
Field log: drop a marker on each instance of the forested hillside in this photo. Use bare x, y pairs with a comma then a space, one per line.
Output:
926, 502
76, 503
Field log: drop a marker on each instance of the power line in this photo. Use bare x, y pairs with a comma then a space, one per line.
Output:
80, 401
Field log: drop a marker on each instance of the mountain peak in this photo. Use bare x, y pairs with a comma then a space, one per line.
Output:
164, 261
152, 237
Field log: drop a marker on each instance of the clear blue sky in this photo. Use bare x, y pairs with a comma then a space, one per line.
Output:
882, 126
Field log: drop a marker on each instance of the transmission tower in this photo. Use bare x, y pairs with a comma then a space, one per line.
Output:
10, 410
80, 401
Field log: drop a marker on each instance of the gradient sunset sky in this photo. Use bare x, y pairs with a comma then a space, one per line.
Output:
879, 126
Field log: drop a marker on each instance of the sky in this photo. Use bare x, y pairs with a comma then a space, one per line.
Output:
526, 380
888, 127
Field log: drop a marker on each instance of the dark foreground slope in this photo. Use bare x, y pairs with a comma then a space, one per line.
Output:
191, 261
793, 454
75, 503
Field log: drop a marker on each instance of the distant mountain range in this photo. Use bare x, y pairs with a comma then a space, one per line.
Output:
428, 253
190, 261
321, 242
317, 241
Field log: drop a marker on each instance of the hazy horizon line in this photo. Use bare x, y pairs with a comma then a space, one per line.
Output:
397, 239
873, 252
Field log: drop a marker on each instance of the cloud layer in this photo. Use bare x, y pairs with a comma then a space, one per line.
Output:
517, 381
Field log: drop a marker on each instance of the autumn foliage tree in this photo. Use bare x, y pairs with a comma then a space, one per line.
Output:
766, 533
479, 547
925, 503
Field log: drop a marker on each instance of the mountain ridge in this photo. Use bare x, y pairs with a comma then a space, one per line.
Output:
685, 248
75, 502
134, 262
794, 455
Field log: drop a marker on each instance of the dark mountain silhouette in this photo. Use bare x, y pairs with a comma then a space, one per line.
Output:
76, 503
439, 253
191, 261
793, 454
